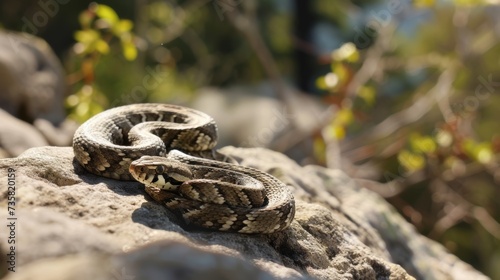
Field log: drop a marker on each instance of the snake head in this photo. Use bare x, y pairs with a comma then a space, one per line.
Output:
160, 172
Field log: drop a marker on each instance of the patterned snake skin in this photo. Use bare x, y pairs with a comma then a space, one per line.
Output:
170, 149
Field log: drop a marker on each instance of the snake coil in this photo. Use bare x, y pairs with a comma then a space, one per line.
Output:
170, 149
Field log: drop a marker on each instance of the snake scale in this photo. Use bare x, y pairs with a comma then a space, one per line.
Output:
170, 149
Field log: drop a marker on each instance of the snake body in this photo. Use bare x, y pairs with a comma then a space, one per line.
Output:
170, 149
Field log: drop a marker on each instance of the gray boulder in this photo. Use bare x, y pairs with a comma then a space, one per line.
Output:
32, 84
74, 225
32, 92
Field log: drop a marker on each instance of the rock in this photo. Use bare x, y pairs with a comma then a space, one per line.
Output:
17, 136
74, 225
256, 118
159, 260
32, 86
61, 135
31, 79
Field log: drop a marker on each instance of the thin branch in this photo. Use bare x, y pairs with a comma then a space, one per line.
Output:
408, 115
176, 27
462, 208
371, 63
487, 221
368, 69
247, 25
297, 135
202, 53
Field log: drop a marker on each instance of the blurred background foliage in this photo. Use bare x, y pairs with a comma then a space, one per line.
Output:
411, 87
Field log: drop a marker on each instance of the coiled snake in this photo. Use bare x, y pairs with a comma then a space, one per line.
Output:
170, 149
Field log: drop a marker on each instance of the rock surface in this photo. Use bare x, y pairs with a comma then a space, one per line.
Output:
257, 119
31, 78
16, 136
74, 225
32, 92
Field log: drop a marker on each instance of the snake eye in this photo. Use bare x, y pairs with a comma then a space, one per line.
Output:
160, 169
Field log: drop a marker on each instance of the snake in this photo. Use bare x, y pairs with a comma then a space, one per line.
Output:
170, 149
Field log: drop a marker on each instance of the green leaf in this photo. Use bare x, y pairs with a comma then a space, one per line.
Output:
341, 71
87, 36
129, 50
107, 13
122, 26
102, 47
424, 3
336, 131
83, 103
481, 152
484, 153
321, 83
411, 161
160, 12
347, 52
344, 116
85, 18
367, 94
319, 149
469, 3
422, 144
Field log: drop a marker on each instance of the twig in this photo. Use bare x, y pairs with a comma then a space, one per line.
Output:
487, 221
178, 24
372, 62
296, 135
200, 50
246, 24
462, 208
406, 116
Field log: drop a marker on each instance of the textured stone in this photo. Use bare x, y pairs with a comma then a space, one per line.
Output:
31, 78
70, 221
17, 136
32, 91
